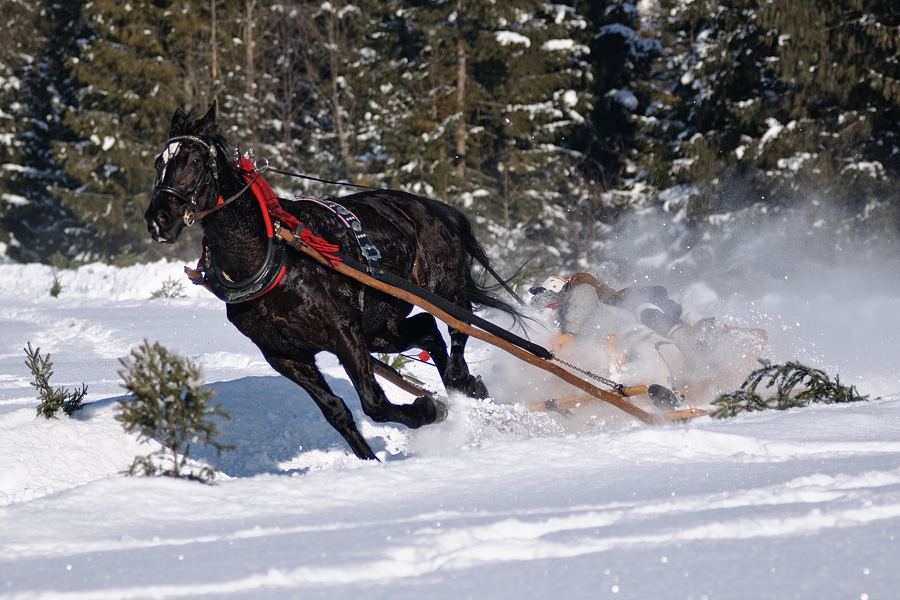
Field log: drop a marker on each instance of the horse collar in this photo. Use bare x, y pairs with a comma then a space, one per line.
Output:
269, 272
266, 277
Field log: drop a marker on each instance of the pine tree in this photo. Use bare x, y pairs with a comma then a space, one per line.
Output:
479, 101
717, 95
769, 101
311, 110
130, 71
15, 53
35, 93
171, 406
841, 111
620, 59
52, 399
534, 111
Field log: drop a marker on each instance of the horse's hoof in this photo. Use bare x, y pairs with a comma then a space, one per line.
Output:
431, 410
441, 411
476, 388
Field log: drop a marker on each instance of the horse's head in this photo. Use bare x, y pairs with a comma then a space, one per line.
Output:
186, 175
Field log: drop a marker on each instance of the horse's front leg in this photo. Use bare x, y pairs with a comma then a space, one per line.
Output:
306, 374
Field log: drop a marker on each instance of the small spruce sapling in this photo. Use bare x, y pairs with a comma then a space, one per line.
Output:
795, 385
172, 406
56, 287
170, 288
52, 399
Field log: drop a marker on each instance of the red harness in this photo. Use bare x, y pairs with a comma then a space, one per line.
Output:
270, 208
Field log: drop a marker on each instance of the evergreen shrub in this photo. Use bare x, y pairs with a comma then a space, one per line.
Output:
170, 288
172, 406
52, 400
56, 287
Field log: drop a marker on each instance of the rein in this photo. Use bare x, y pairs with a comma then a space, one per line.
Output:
191, 217
316, 179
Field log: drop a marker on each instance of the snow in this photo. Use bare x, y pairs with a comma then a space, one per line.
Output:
495, 503
616, 29
14, 199
873, 169
567, 45
505, 38
106, 143
624, 97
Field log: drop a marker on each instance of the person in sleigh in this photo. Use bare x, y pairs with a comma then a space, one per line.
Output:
640, 335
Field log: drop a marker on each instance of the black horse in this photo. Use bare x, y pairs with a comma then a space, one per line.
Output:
291, 306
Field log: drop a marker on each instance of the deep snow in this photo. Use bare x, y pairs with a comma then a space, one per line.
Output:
494, 503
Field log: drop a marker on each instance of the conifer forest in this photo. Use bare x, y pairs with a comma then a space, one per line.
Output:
547, 123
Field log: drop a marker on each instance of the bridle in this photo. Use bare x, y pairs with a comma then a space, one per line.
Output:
192, 212
173, 146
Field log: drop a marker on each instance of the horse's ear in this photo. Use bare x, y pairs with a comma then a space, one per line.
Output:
177, 122
208, 122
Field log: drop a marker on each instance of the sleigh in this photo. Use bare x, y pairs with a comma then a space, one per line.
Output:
738, 352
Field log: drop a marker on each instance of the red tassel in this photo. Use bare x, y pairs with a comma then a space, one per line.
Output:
323, 247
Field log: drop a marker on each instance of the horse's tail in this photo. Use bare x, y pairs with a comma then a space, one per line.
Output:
484, 295
478, 292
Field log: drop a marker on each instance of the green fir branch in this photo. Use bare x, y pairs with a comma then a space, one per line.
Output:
795, 385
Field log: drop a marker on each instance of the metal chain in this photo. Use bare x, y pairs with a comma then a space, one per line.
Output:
586, 373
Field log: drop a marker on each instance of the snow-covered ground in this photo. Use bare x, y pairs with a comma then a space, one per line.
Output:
494, 503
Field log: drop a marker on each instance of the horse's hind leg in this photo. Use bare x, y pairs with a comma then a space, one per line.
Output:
421, 331
458, 369
307, 375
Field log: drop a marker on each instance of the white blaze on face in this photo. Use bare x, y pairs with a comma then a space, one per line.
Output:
169, 153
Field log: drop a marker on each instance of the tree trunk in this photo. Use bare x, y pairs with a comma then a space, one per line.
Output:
251, 70
337, 108
214, 51
435, 84
460, 100
460, 108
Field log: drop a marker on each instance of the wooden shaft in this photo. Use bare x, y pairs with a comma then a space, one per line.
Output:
634, 390
615, 399
400, 381
574, 401
684, 414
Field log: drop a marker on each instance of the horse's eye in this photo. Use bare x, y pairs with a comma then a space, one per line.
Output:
158, 162
195, 162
